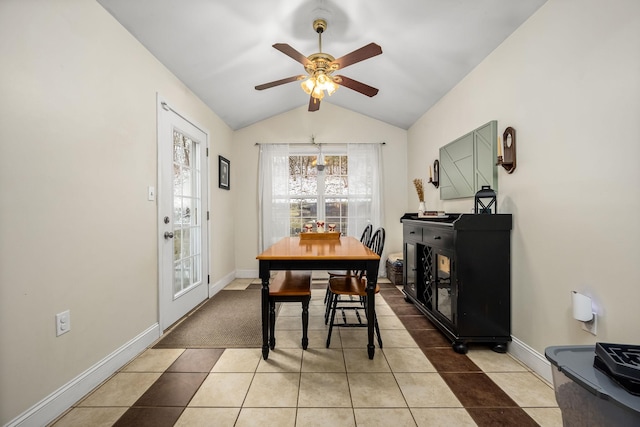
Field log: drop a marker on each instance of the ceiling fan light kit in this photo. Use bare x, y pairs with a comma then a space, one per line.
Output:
320, 68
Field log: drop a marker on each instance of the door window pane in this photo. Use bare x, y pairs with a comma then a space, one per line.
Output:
186, 210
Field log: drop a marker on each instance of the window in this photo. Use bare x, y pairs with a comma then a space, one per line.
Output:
318, 194
293, 190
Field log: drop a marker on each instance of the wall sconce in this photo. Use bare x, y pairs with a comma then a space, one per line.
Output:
583, 312
435, 178
507, 150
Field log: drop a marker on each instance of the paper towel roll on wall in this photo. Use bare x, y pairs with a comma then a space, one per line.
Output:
582, 310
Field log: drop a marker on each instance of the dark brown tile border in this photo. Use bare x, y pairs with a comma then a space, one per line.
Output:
477, 390
395, 300
172, 389
149, 417
444, 359
501, 417
391, 291
413, 321
196, 360
429, 338
406, 309
387, 287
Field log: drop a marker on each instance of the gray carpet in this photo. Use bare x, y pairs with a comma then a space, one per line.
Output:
230, 319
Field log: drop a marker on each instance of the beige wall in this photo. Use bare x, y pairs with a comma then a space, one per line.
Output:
77, 152
568, 81
331, 124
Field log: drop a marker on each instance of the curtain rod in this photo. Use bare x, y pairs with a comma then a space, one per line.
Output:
318, 143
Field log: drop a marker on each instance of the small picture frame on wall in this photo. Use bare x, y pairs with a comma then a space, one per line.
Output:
224, 173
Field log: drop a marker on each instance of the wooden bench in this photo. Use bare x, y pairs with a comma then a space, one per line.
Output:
290, 286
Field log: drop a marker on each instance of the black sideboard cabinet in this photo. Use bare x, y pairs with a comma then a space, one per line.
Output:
457, 272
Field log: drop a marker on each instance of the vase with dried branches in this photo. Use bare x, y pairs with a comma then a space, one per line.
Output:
420, 190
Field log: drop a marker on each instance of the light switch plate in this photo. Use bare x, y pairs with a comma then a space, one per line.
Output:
151, 193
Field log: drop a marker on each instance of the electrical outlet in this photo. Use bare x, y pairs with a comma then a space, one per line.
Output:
591, 325
63, 323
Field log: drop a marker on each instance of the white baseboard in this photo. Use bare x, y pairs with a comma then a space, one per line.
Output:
216, 287
66, 396
247, 274
534, 360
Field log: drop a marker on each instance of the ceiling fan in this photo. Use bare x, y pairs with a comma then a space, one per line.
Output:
321, 66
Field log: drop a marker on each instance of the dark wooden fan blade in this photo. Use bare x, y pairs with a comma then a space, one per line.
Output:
357, 86
291, 52
358, 55
314, 104
279, 82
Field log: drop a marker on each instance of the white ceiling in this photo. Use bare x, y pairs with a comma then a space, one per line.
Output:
222, 49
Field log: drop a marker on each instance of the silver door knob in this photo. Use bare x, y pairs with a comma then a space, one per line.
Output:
168, 235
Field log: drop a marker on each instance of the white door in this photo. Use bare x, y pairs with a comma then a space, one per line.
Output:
182, 215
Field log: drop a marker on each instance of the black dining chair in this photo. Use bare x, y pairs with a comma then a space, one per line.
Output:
290, 286
349, 292
365, 238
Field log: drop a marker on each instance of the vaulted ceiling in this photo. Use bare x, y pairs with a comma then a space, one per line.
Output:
222, 49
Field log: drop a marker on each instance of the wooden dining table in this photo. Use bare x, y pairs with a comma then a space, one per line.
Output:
294, 253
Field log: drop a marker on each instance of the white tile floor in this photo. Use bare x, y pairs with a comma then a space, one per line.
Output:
338, 386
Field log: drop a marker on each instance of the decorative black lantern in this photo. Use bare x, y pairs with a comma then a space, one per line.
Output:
486, 202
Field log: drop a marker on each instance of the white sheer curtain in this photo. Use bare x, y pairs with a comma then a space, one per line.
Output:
365, 189
273, 194
365, 203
